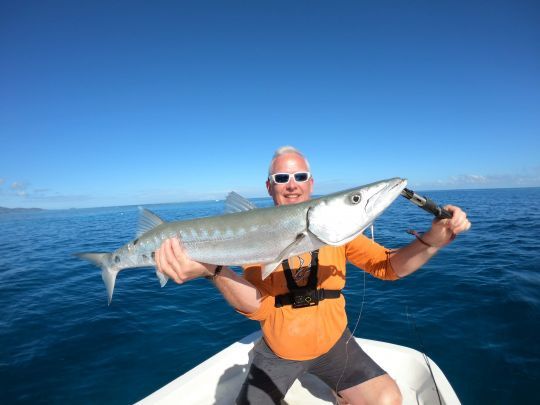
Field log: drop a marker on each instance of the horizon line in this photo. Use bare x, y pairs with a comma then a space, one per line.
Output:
222, 199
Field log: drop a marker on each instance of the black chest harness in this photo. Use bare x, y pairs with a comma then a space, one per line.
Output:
306, 296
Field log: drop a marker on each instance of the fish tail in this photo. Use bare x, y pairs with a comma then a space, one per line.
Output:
104, 261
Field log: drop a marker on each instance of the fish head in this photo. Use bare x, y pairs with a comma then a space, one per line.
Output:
340, 217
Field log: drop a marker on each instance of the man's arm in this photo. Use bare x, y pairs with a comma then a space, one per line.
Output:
172, 260
410, 258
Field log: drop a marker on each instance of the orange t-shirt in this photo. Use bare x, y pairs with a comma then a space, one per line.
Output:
306, 333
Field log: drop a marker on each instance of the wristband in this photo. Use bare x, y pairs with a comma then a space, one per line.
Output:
417, 235
216, 273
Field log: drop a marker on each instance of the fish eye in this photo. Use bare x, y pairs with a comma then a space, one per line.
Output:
356, 198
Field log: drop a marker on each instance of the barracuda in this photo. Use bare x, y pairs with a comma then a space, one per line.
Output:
246, 235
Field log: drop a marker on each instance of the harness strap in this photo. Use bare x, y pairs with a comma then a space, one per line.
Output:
307, 295
312, 280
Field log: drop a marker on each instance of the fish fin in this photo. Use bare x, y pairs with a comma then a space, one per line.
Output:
162, 278
103, 260
236, 203
270, 267
147, 221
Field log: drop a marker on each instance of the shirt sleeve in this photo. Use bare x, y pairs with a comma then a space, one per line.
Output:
253, 275
370, 257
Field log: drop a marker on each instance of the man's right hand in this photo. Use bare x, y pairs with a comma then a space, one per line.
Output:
172, 260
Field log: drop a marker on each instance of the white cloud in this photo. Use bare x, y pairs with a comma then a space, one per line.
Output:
2, 181
528, 178
22, 194
42, 191
19, 186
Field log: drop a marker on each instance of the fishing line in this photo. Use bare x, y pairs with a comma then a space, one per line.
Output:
351, 337
361, 308
426, 359
439, 212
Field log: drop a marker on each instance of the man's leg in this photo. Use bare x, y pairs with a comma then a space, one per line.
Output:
347, 369
381, 390
269, 377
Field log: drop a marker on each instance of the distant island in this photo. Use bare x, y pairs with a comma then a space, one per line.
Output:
4, 210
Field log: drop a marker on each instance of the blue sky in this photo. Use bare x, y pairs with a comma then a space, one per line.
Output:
136, 102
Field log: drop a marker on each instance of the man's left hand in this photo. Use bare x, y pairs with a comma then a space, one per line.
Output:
443, 231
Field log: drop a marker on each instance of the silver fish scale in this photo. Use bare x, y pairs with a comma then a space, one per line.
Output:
249, 237
234, 239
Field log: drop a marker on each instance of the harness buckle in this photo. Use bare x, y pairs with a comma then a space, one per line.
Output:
304, 297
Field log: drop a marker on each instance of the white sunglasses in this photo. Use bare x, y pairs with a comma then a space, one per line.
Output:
284, 178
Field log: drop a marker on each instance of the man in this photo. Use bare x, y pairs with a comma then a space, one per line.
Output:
314, 338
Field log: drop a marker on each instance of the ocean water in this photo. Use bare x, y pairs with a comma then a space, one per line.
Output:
475, 305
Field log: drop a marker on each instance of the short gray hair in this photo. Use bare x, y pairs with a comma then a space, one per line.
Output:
282, 151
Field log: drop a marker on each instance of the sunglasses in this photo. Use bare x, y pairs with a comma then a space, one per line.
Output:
284, 178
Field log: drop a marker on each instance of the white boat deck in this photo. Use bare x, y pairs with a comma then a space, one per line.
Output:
218, 379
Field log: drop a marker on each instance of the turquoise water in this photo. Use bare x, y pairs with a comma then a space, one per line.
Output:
476, 304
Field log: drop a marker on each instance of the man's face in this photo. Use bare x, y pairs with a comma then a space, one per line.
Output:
291, 192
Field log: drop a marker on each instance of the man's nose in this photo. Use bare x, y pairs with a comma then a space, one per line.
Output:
291, 185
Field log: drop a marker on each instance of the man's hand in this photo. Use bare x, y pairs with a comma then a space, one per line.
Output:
172, 260
443, 231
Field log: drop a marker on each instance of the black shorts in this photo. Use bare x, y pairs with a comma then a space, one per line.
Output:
270, 377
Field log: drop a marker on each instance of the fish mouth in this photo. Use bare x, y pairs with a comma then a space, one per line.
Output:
384, 196
381, 198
